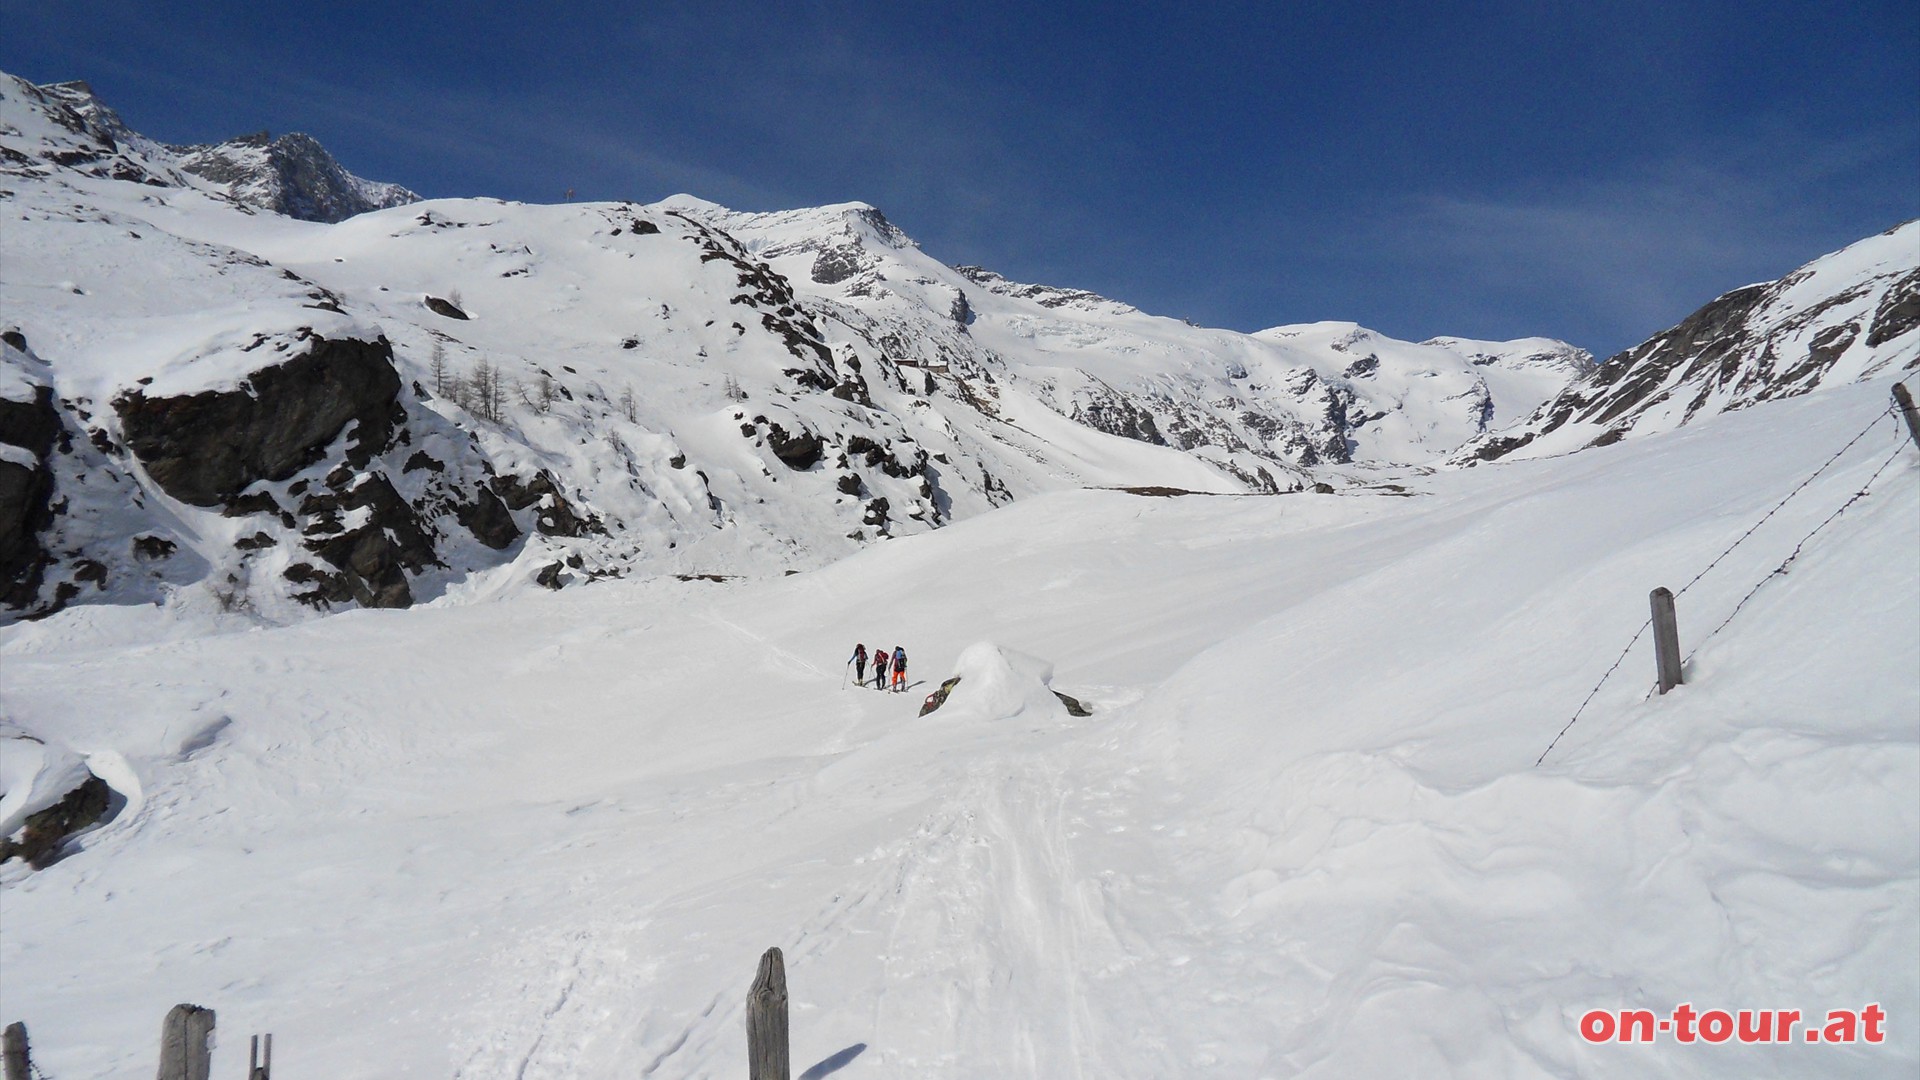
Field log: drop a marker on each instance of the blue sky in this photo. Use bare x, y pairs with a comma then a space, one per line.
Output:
1589, 171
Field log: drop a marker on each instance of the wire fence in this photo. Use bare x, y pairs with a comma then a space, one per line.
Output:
1891, 410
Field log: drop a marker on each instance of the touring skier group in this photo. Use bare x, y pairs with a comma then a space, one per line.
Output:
883, 661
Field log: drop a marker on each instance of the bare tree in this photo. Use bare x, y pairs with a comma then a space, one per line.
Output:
629, 406
439, 370
486, 392
545, 395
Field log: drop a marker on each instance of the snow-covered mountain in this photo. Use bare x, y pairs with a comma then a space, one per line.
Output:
292, 175
65, 125
1303, 826
454, 396
1325, 393
1841, 318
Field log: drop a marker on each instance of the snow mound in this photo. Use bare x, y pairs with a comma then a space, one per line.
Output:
998, 683
34, 774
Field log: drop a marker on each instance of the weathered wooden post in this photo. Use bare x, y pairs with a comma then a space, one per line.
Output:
259, 1068
19, 1065
186, 1051
1905, 401
767, 1020
1666, 640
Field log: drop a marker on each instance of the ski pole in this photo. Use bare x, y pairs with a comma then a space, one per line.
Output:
843, 675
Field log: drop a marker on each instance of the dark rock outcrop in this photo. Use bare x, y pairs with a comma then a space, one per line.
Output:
554, 516
26, 494
446, 308
154, 548
799, 452
31, 425
939, 697
44, 833
205, 448
835, 265
489, 520
373, 557
1117, 414
1899, 310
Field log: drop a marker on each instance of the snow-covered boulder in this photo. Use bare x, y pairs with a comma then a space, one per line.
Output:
46, 794
998, 683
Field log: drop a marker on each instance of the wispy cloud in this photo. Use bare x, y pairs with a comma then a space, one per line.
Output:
1634, 252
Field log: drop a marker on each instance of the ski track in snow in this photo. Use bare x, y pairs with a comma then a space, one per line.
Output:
1301, 834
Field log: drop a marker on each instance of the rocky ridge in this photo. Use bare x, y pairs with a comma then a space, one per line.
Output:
1842, 318
69, 127
292, 175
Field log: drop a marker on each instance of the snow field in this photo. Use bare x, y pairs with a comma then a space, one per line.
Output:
1301, 835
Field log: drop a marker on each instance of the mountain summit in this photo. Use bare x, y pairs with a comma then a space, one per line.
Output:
292, 175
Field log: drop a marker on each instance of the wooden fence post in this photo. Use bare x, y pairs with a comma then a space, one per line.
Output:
1666, 640
767, 1020
19, 1065
186, 1052
1905, 401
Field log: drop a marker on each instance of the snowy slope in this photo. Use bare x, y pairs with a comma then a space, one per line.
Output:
676, 388
1300, 395
1847, 316
1301, 835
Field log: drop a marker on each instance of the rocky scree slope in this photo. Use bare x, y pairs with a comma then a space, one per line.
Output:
1842, 318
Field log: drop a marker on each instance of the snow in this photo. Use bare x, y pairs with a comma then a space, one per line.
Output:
519, 833
1001, 684
33, 776
975, 394
1302, 833
1062, 345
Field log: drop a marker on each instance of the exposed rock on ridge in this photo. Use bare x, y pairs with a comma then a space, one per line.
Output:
1844, 317
292, 175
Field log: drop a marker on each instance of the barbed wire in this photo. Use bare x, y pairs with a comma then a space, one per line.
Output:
1717, 559
1781, 570
1789, 496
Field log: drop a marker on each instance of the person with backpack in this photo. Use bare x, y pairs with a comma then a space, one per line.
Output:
880, 669
899, 669
859, 662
